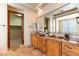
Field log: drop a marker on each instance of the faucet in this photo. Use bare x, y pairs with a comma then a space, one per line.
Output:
67, 36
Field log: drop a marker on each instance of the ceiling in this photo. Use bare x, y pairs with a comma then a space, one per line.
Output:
34, 6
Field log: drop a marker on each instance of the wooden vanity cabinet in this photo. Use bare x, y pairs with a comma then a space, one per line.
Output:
41, 44
38, 42
53, 47
58, 48
34, 40
50, 50
70, 49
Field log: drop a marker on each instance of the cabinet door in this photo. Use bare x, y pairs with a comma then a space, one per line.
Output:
31, 39
34, 40
69, 49
57, 48
39, 43
50, 50
43, 45
72, 53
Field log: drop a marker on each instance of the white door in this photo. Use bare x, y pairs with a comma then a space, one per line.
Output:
3, 26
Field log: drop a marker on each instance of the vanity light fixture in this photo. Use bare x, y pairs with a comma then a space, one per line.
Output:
39, 10
19, 15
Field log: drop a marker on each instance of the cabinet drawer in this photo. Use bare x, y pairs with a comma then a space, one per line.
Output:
70, 49
69, 53
73, 47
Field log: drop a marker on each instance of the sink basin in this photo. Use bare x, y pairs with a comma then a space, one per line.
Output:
42, 34
73, 41
60, 37
53, 36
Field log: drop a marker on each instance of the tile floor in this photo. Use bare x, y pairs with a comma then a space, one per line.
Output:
23, 51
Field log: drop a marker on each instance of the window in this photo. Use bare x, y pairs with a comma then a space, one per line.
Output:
67, 24
52, 25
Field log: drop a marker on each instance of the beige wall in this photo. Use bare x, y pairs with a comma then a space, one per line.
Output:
29, 19
15, 7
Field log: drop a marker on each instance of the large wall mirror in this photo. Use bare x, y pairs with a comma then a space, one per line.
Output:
63, 22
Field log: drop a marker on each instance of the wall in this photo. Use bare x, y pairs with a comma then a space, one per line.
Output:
29, 19
15, 7
3, 29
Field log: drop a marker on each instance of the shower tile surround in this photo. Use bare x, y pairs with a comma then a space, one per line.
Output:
15, 36
15, 30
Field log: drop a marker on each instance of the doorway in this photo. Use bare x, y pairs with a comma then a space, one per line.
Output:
46, 24
15, 29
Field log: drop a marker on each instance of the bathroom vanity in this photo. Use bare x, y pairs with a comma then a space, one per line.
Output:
55, 46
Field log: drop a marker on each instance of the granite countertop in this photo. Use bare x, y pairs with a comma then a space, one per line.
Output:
72, 41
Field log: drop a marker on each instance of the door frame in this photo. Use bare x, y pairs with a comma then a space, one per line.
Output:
8, 41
